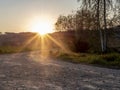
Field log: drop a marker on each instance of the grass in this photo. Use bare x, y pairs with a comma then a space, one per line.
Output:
13, 49
110, 60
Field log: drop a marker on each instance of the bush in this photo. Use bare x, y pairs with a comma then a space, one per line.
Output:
82, 46
111, 57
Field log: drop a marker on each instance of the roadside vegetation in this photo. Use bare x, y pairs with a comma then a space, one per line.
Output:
97, 33
13, 49
109, 60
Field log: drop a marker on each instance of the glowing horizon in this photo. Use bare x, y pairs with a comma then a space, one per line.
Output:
41, 25
17, 14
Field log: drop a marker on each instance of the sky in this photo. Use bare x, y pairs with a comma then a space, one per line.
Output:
16, 15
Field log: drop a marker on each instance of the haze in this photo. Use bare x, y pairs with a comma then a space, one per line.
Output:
15, 15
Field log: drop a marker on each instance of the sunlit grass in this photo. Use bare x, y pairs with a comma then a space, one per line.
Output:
13, 49
111, 60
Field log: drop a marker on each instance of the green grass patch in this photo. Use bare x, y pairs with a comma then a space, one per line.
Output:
111, 60
13, 49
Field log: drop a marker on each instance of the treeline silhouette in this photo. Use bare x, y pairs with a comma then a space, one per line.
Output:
89, 41
97, 15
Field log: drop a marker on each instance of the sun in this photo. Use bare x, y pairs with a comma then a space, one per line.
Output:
41, 26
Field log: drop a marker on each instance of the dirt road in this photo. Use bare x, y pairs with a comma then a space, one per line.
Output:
27, 71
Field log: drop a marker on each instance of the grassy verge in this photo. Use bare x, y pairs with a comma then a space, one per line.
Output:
110, 60
11, 49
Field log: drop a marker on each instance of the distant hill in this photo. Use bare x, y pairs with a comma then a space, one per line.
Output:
81, 41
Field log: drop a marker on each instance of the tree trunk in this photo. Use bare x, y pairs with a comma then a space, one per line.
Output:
105, 28
98, 26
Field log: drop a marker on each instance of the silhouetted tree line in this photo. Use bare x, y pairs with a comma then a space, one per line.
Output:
87, 19
92, 15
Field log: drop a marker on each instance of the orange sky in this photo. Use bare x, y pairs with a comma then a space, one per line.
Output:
16, 15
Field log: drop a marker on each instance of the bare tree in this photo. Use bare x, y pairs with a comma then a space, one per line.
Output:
100, 7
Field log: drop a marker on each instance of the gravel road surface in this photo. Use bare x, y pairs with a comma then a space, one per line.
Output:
27, 71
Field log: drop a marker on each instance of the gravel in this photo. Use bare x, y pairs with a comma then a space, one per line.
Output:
28, 71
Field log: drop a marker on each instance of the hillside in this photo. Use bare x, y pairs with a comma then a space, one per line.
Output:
82, 41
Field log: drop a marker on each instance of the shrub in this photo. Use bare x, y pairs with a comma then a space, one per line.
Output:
82, 46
